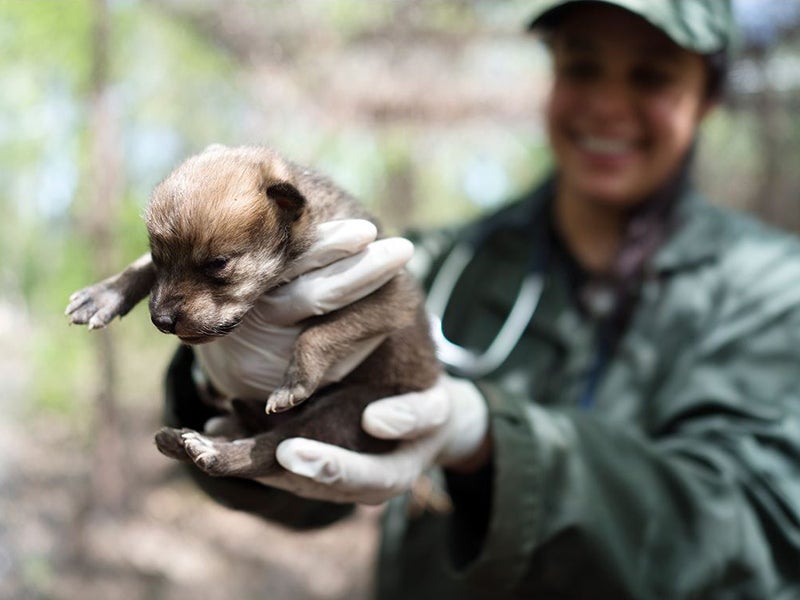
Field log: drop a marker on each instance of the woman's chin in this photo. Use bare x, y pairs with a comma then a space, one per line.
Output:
611, 193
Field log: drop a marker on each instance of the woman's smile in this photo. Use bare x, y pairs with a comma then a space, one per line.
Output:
606, 151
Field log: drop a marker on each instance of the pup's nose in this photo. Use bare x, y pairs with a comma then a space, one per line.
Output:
164, 321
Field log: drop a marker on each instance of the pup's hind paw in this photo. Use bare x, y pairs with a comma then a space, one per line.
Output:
170, 443
285, 398
201, 450
220, 458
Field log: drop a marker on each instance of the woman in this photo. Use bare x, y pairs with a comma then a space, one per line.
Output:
642, 437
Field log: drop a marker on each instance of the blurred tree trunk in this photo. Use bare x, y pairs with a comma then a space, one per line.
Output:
105, 492
397, 207
107, 482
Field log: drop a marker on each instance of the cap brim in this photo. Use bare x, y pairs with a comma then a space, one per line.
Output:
707, 34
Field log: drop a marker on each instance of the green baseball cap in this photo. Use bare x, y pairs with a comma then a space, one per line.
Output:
702, 26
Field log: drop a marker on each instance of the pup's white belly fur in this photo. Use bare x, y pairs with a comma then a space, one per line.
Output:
249, 362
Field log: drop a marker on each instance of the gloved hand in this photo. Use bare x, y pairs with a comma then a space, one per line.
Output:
447, 425
342, 266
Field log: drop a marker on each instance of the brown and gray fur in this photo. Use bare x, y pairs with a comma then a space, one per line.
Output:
223, 228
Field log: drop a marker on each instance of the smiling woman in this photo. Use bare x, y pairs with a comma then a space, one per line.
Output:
635, 437
625, 105
622, 115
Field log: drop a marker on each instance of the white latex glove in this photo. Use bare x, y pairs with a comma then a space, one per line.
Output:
443, 425
342, 266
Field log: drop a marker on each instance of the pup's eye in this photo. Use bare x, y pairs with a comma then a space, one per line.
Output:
217, 263
215, 268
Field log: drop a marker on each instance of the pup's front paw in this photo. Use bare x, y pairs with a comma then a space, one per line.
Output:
285, 398
96, 305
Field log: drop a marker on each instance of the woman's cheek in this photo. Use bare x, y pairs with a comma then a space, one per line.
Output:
561, 104
673, 121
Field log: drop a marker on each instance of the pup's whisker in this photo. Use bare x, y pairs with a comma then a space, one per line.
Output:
223, 329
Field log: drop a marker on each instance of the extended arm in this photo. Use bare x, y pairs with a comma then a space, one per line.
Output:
574, 504
701, 498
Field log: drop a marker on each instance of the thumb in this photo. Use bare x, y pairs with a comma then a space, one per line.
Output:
407, 416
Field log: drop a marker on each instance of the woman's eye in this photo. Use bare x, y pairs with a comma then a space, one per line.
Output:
579, 71
651, 78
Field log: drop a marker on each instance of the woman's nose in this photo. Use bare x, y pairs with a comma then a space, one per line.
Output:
609, 99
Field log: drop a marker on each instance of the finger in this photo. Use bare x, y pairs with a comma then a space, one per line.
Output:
407, 416
341, 283
366, 478
335, 240
308, 488
350, 279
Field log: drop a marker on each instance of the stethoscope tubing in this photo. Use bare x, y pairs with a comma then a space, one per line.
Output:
463, 361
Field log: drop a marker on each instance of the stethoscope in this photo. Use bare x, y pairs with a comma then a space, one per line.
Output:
472, 364
462, 360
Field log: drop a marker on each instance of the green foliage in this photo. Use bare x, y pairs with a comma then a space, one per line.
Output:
352, 17
63, 360
46, 67
51, 36
173, 78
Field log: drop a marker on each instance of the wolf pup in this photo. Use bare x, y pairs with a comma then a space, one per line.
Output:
223, 228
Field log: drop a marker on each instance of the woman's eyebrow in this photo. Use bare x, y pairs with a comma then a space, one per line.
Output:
578, 44
661, 52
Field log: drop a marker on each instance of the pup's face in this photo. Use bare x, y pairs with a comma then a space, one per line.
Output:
222, 228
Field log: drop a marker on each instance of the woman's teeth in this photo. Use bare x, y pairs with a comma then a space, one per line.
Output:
607, 146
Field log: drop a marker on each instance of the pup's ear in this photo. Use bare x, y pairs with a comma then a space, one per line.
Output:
287, 198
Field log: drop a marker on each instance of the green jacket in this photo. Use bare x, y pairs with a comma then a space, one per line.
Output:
681, 480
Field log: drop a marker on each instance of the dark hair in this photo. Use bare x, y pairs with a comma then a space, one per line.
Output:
717, 64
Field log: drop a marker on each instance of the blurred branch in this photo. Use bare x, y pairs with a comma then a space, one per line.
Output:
764, 87
108, 483
398, 69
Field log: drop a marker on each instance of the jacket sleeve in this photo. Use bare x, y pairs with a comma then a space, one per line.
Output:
703, 502
184, 408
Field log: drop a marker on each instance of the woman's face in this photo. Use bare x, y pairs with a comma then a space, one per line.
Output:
624, 106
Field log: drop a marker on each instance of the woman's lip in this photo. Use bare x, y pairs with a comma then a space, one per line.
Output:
606, 151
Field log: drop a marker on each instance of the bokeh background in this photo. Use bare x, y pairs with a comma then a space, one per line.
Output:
429, 111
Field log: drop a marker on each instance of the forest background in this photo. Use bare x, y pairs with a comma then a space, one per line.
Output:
429, 111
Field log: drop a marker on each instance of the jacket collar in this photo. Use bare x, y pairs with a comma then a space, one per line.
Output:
697, 237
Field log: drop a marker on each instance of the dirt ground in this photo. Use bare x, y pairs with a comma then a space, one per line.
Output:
169, 542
